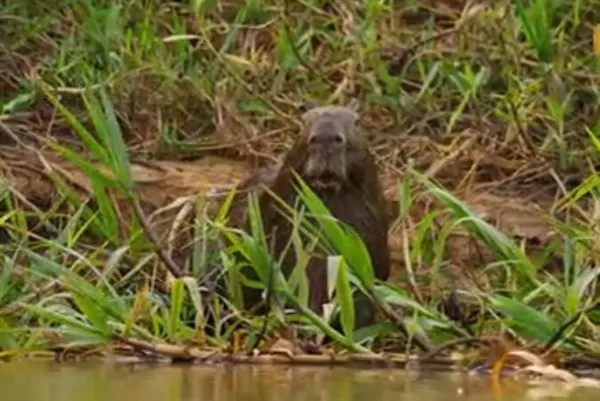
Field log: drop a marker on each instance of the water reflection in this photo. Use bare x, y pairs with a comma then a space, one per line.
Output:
47, 381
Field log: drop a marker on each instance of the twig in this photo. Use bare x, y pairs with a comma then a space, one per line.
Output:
14, 306
408, 265
194, 353
515, 115
397, 320
399, 58
166, 259
466, 340
567, 325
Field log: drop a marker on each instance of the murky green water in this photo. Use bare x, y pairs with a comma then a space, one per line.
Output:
47, 381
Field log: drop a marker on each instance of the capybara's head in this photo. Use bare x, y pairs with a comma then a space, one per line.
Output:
330, 132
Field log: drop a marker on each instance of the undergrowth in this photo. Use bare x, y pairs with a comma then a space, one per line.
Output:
490, 95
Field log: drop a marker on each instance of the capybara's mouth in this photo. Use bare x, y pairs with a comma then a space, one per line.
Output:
329, 175
327, 180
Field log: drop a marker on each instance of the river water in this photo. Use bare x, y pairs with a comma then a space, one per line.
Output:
93, 381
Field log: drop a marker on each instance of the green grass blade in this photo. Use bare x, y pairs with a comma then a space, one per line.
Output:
528, 321
177, 298
343, 292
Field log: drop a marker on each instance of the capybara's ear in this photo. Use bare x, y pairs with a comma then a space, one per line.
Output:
307, 105
309, 115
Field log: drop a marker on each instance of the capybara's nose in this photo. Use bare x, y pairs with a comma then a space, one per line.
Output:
327, 138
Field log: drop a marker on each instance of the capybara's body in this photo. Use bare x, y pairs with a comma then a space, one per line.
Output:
334, 160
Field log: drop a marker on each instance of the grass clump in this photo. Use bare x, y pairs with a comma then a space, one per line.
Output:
464, 102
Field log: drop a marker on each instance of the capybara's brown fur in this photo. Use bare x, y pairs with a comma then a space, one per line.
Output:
333, 159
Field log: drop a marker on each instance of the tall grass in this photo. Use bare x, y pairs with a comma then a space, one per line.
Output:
102, 83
